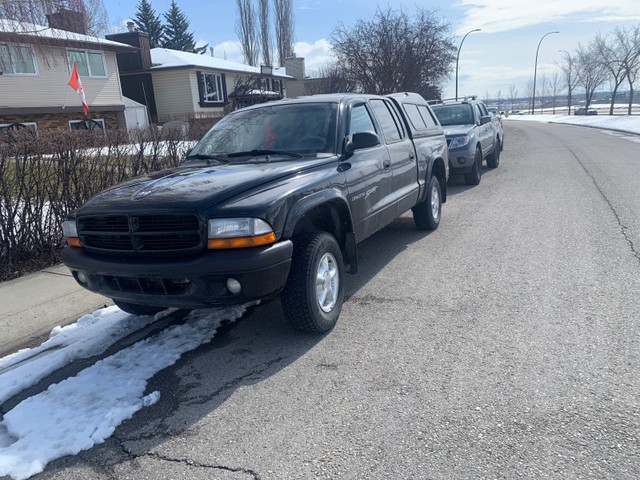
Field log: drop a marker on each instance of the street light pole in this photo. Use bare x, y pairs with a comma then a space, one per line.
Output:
535, 72
458, 57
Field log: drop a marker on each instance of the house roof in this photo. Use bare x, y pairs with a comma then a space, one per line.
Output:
163, 58
12, 30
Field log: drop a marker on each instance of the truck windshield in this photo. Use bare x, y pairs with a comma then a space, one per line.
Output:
458, 114
302, 128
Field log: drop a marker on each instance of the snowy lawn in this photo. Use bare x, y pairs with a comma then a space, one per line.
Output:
83, 410
618, 123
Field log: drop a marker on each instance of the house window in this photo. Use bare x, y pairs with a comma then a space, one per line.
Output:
97, 124
17, 59
88, 63
211, 88
30, 126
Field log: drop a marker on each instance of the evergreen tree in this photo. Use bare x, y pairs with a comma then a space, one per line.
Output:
148, 22
176, 35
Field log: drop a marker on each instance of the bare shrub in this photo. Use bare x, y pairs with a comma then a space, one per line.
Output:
43, 178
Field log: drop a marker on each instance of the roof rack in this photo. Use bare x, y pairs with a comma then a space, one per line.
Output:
453, 99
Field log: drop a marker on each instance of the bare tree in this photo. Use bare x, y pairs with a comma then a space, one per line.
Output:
555, 87
90, 13
570, 75
628, 42
611, 56
331, 79
247, 31
513, 94
529, 94
590, 71
284, 25
543, 87
393, 52
499, 99
265, 31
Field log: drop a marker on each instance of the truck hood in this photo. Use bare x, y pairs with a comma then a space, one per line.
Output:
195, 187
453, 130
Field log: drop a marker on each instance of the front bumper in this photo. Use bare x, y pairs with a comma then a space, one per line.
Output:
461, 159
193, 282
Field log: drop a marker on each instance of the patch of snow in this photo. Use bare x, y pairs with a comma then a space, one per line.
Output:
618, 123
84, 410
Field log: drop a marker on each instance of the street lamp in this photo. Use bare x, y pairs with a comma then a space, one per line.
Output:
458, 57
535, 72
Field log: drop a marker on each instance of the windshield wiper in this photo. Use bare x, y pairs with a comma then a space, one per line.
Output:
200, 156
256, 153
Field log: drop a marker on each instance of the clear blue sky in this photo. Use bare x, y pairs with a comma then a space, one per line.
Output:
501, 55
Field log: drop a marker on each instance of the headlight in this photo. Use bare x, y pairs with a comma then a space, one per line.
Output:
239, 233
70, 231
458, 142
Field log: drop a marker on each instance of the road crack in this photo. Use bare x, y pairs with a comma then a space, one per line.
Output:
192, 463
623, 228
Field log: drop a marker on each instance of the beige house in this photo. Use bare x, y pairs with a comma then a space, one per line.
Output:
178, 85
36, 64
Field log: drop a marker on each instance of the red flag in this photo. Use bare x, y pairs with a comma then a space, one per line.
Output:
76, 84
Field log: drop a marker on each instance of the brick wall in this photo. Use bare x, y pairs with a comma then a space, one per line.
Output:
60, 120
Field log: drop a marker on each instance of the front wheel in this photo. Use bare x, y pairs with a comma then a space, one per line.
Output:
426, 215
313, 296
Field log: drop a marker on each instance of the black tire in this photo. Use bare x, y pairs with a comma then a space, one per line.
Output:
493, 160
426, 215
308, 305
135, 309
473, 177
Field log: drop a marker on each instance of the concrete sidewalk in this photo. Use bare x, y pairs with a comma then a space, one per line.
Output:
32, 305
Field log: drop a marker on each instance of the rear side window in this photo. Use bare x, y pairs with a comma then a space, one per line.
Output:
427, 116
387, 121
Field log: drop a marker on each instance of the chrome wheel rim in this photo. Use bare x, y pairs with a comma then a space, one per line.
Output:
435, 202
327, 282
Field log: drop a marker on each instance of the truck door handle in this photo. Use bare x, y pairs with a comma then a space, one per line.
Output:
386, 164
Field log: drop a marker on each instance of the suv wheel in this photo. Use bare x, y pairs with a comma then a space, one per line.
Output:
313, 296
493, 160
426, 215
473, 177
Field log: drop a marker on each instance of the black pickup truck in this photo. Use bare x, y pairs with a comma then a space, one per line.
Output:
273, 200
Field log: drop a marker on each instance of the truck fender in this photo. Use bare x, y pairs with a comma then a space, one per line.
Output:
343, 231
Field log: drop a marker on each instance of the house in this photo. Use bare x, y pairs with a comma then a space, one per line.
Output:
36, 63
177, 85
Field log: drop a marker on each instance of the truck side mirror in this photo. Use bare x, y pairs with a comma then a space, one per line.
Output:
484, 120
361, 140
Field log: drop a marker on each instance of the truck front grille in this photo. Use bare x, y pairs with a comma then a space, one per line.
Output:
141, 234
147, 286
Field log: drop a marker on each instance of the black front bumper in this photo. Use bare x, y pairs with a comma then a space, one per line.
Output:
193, 282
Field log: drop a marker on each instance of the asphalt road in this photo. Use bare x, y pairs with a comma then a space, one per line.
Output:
504, 345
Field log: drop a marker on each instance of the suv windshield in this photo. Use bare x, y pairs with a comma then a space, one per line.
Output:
456, 114
301, 128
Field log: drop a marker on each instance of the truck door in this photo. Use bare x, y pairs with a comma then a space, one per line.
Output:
369, 177
401, 153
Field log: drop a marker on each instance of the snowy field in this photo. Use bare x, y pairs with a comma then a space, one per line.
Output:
616, 123
85, 409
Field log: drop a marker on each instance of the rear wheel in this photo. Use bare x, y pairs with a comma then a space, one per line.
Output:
313, 296
426, 215
473, 177
135, 309
493, 160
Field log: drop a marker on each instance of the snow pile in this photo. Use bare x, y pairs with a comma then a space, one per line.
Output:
81, 411
618, 123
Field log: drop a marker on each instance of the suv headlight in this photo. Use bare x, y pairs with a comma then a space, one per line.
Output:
239, 233
458, 142
70, 232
